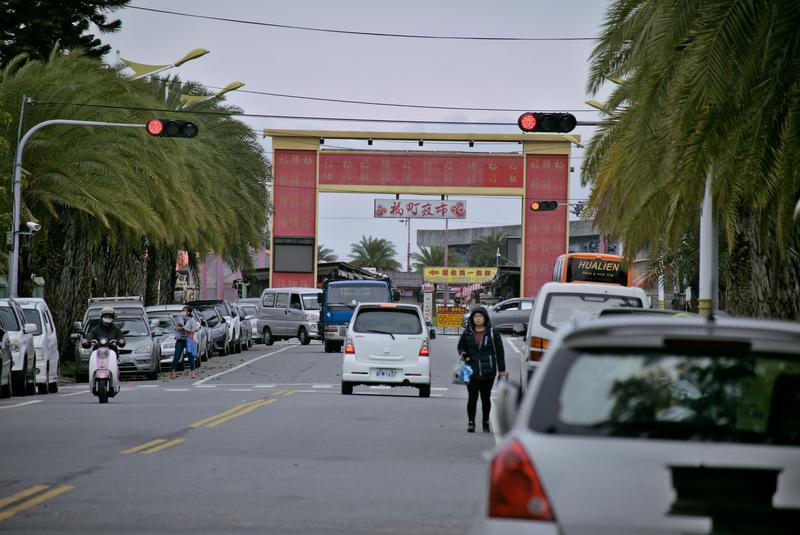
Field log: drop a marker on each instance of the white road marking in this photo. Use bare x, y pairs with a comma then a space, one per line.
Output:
307, 391
264, 386
439, 389
21, 404
206, 386
514, 347
321, 386
436, 395
75, 393
242, 365
177, 389
148, 386
240, 390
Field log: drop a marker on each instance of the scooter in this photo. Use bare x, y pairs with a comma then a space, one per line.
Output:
104, 370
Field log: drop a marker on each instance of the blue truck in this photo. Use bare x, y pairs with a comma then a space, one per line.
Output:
338, 300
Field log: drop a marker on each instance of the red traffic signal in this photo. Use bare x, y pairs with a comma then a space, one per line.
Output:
544, 206
171, 128
546, 122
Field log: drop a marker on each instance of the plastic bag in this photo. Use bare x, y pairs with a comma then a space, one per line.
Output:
461, 373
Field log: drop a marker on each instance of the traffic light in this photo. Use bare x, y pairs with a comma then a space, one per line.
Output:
546, 122
544, 206
171, 128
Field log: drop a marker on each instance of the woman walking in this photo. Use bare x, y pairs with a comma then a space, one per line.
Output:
482, 350
185, 327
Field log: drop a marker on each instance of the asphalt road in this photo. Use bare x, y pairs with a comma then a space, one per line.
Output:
262, 442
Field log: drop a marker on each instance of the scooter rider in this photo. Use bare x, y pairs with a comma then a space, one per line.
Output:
105, 329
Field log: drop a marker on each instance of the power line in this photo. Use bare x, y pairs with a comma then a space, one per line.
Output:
351, 32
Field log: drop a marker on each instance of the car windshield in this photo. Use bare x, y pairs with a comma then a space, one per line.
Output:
395, 321
134, 326
9, 319
32, 316
675, 396
561, 308
345, 294
310, 302
165, 321
249, 310
209, 313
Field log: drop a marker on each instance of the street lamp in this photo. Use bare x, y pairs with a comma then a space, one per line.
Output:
143, 69
188, 100
407, 222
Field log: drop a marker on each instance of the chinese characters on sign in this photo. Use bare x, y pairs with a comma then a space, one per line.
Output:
461, 275
394, 208
449, 317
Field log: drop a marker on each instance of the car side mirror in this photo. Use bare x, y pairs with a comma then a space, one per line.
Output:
30, 328
75, 337
158, 331
508, 402
519, 329
432, 334
77, 326
396, 296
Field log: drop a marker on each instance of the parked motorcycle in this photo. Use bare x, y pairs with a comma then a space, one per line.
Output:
103, 369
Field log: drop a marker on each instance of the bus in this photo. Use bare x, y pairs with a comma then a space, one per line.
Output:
592, 267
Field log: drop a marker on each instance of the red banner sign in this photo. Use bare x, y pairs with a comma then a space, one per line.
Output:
392, 208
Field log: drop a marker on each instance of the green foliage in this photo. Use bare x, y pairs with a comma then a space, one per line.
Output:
34, 27
706, 86
378, 253
325, 254
483, 251
433, 256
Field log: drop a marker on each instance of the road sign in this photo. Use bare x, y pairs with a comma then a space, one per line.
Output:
465, 275
395, 208
449, 317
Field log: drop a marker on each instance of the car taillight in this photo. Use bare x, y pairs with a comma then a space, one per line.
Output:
423, 351
349, 349
537, 347
514, 488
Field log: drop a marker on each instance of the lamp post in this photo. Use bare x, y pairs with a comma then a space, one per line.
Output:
407, 222
143, 69
188, 100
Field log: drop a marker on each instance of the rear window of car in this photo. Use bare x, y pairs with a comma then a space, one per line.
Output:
32, 316
736, 398
561, 308
9, 318
134, 326
249, 310
392, 320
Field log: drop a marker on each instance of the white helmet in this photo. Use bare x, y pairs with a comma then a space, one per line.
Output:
106, 311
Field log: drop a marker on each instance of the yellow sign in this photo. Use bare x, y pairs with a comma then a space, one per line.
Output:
462, 275
449, 317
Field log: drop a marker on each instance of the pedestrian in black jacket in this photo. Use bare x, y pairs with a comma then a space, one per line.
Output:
482, 349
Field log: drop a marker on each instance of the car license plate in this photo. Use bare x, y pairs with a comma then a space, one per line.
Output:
387, 372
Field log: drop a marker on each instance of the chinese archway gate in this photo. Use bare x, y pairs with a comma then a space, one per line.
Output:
301, 170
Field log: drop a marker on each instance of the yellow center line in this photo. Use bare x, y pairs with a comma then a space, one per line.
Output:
144, 446
201, 423
33, 502
165, 445
289, 393
23, 494
240, 413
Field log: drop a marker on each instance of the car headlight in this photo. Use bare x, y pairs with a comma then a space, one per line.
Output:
168, 345
144, 349
14, 345
39, 354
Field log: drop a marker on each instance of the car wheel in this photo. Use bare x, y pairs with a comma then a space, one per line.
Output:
30, 385
267, 337
53, 387
44, 387
425, 391
347, 388
239, 346
303, 336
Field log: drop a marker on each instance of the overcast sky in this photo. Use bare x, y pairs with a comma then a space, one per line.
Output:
523, 75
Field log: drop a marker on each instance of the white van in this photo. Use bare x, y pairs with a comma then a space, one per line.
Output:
45, 343
290, 313
559, 303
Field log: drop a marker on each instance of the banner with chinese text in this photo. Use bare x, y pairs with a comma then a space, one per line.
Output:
461, 275
449, 317
394, 208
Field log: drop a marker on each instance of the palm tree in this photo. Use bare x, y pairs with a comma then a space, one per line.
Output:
433, 256
325, 255
378, 253
703, 88
483, 251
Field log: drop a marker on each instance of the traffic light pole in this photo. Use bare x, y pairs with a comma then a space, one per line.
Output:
13, 261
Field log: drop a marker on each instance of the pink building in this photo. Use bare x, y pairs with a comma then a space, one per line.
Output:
216, 277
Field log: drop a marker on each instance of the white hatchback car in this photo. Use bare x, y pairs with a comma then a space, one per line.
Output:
558, 304
20, 336
387, 344
645, 425
45, 342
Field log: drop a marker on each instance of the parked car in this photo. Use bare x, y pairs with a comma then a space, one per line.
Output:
45, 342
23, 352
245, 325
560, 303
387, 344
166, 315
140, 354
214, 322
231, 319
290, 313
505, 314
653, 425
6, 362
252, 310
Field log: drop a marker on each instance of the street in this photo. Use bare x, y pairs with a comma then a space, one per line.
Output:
261, 442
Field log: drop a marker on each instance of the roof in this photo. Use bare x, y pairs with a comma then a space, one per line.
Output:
298, 289
405, 278
590, 288
164, 308
427, 136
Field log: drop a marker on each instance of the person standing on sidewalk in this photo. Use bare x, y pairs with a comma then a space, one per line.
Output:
185, 327
482, 350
